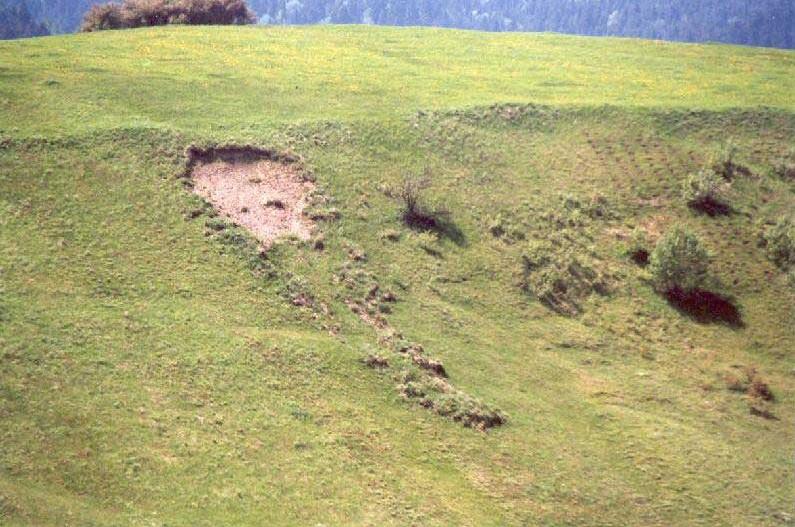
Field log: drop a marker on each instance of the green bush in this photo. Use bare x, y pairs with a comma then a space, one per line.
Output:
779, 239
679, 262
706, 191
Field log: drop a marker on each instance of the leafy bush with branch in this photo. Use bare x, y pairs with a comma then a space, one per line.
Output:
420, 214
679, 262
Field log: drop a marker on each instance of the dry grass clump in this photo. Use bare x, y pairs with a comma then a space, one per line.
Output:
749, 382
560, 266
437, 394
784, 167
560, 277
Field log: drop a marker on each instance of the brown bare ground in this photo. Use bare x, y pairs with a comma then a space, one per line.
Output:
266, 196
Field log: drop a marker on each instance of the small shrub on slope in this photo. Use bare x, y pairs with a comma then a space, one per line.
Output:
723, 161
779, 240
560, 266
679, 262
706, 191
784, 168
638, 247
416, 211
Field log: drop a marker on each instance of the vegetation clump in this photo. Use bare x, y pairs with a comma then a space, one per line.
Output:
391, 235
784, 168
779, 242
560, 267
416, 211
679, 267
435, 393
143, 13
559, 277
706, 191
376, 362
724, 163
638, 247
506, 229
751, 383
679, 262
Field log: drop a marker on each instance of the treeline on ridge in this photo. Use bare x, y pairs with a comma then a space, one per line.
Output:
16, 20
142, 13
753, 22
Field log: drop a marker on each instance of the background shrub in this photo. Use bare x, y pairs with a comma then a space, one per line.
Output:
103, 16
142, 13
679, 262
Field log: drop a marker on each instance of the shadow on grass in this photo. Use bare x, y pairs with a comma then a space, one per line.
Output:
712, 207
706, 307
640, 257
439, 222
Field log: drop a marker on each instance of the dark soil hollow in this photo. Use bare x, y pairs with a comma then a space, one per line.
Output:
761, 412
706, 307
640, 257
712, 207
232, 154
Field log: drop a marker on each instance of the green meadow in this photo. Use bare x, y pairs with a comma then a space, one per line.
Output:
154, 370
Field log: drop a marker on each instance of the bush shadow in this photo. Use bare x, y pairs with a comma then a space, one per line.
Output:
712, 208
706, 307
439, 222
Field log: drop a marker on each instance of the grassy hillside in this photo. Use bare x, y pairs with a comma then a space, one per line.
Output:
254, 78
153, 373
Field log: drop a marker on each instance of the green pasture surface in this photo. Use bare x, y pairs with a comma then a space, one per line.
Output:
149, 376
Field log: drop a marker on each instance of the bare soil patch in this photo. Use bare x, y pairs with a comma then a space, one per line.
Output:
262, 191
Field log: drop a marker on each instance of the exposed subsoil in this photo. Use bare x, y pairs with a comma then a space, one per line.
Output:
263, 193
